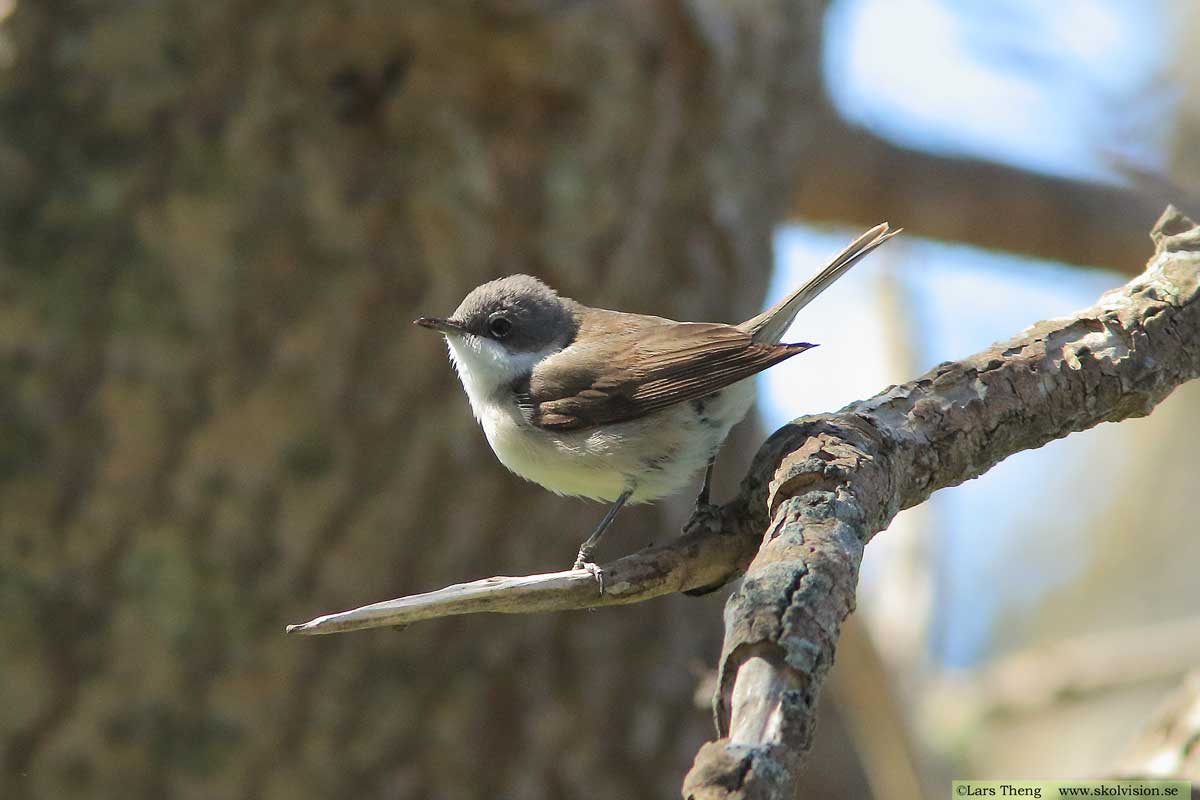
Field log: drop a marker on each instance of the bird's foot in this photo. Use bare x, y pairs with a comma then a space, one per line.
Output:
704, 514
582, 562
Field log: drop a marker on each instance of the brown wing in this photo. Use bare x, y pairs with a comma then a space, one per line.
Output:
649, 366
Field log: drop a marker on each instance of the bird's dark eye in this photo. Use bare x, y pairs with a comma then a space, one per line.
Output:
500, 326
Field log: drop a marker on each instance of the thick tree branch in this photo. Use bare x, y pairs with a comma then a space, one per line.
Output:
837, 479
822, 486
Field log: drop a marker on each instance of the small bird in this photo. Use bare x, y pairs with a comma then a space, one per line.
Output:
611, 406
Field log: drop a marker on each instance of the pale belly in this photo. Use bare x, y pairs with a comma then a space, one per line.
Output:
656, 455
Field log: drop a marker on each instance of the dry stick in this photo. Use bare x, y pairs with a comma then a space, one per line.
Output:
713, 550
822, 486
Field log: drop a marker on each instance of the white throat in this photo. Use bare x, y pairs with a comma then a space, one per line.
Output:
486, 369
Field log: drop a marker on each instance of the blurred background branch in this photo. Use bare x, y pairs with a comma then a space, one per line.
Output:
1169, 747
1071, 669
857, 176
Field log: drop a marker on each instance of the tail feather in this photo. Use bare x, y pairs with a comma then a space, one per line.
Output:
769, 326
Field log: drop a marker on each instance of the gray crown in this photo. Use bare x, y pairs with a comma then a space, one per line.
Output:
534, 315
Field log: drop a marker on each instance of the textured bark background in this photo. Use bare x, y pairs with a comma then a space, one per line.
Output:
216, 221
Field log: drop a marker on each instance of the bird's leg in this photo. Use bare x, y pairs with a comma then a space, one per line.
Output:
589, 544
706, 487
704, 512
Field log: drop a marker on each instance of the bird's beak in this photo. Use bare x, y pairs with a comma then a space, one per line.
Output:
446, 326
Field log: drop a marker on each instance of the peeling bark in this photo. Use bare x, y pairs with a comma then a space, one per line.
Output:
826, 484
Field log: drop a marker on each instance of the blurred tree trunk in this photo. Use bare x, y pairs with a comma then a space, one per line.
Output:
217, 220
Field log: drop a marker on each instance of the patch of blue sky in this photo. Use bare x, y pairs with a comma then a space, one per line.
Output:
1056, 87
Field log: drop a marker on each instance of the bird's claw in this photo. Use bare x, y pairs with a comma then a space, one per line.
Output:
703, 514
594, 569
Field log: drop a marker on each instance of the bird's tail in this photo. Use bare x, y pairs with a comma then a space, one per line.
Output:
769, 326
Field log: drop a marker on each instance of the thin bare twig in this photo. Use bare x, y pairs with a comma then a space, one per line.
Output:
705, 555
